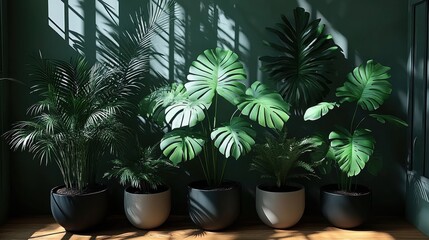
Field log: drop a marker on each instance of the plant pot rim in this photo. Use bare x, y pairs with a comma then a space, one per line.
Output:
231, 184
102, 186
299, 186
329, 187
168, 188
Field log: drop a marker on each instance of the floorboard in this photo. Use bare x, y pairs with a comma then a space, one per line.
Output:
177, 227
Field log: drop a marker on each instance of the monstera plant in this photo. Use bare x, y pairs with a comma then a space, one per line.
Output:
192, 112
351, 148
303, 63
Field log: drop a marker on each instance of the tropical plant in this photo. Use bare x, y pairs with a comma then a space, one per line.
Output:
280, 158
144, 174
192, 110
352, 148
303, 65
78, 117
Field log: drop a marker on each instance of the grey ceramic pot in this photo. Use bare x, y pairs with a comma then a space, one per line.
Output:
345, 211
76, 213
213, 209
147, 210
280, 209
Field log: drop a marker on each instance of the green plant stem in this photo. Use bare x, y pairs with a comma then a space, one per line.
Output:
203, 167
205, 161
233, 114
353, 119
223, 170
214, 156
357, 126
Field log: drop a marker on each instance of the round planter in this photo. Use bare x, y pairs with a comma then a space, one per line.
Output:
345, 210
213, 209
280, 209
79, 212
147, 211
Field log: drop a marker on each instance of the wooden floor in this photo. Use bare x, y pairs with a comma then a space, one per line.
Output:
181, 228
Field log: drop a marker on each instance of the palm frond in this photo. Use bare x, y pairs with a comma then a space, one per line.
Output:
280, 158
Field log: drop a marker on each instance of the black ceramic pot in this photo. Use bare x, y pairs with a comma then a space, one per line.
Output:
77, 213
213, 209
345, 210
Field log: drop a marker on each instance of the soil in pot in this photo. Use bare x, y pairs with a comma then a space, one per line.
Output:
345, 209
213, 208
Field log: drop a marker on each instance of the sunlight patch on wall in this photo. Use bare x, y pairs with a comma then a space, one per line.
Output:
179, 44
56, 18
107, 12
339, 38
159, 62
226, 31
75, 19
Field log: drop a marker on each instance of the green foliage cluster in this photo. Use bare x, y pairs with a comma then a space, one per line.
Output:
367, 87
303, 65
79, 116
142, 174
191, 113
282, 159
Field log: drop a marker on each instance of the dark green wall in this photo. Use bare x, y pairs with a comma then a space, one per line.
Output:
4, 160
364, 29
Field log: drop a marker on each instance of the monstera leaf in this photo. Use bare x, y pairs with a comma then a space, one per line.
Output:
318, 111
185, 113
216, 71
367, 85
235, 139
264, 106
303, 64
352, 152
157, 101
180, 145
389, 118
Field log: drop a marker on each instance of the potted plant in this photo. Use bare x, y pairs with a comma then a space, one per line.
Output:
192, 113
280, 204
73, 124
347, 204
147, 199
78, 118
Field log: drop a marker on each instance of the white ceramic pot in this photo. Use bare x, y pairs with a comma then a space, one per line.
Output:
147, 211
280, 209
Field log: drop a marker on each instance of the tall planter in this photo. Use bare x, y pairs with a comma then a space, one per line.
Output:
213, 209
81, 212
147, 210
345, 210
280, 208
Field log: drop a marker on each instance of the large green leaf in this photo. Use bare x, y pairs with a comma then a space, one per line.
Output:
216, 71
367, 85
318, 111
180, 145
264, 106
352, 152
235, 139
304, 63
157, 101
185, 113
390, 119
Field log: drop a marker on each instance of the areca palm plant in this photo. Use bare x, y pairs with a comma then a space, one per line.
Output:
304, 63
280, 159
352, 147
192, 113
78, 118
